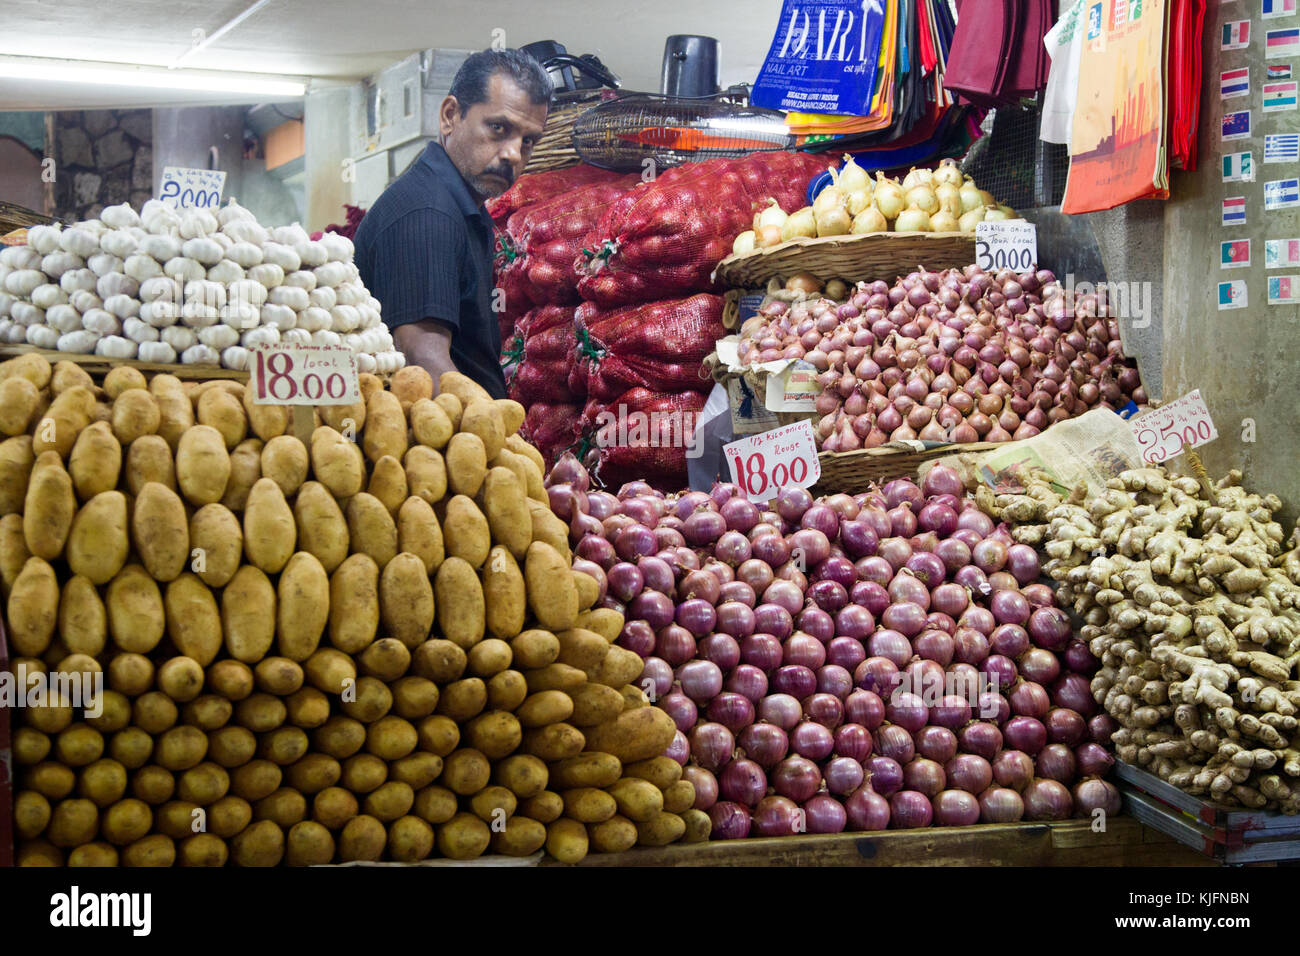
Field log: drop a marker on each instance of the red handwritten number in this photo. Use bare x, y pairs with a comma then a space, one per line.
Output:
798, 471
757, 468
280, 374
738, 466
329, 386
306, 386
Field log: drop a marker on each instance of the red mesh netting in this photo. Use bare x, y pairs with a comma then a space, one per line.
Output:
538, 187
664, 240
643, 435
547, 356
552, 428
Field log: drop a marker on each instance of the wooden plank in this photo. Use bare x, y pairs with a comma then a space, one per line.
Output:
98, 365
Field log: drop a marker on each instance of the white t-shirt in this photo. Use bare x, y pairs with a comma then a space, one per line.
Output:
1064, 44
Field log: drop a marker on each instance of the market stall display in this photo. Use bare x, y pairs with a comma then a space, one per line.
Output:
322, 649
188, 286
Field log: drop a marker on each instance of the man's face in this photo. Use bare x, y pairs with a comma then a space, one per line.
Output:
491, 143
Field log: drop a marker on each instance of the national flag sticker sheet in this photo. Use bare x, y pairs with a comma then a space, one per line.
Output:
1234, 211
1279, 97
1284, 290
1281, 147
1235, 126
1273, 9
1281, 42
1234, 83
1281, 253
1234, 254
1281, 194
1233, 295
1236, 35
1279, 71
1238, 168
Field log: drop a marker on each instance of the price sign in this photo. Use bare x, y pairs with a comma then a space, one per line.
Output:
305, 375
1006, 244
1162, 432
185, 188
764, 464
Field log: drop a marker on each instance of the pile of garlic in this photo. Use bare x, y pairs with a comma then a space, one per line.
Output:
188, 286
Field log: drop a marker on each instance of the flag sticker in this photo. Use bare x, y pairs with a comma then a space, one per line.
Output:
1273, 9
1232, 295
1236, 126
1281, 253
1279, 97
1282, 147
1236, 35
1234, 83
1238, 168
1282, 194
1280, 71
1284, 290
1234, 254
1234, 211
1281, 42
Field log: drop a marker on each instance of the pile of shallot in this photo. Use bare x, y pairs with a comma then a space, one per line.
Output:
953, 356
848, 663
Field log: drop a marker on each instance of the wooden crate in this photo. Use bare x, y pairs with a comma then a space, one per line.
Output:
853, 472
877, 255
98, 365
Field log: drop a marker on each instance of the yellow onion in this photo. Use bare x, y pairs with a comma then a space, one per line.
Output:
834, 222
859, 200
869, 220
770, 215
917, 177
804, 282
949, 197
745, 242
948, 173
912, 220
994, 214
802, 222
837, 289
969, 220
970, 196
943, 221
923, 198
888, 197
1011, 213
852, 177
988, 198
832, 197
768, 236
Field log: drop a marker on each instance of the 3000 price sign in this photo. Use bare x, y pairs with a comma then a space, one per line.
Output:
1002, 257
305, 375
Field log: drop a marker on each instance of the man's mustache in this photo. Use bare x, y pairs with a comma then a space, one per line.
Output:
504, 172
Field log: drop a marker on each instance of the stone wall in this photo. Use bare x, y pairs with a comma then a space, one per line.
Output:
103, 157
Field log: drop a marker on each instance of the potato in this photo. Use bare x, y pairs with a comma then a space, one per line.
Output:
181, 678
19, 400
419, 533
542, 807
245, 469
385, 431
279, 676
581, 648
588, 589
614, 835
31, 809
302, 606
228, 816
386, 659
16, 460
154, 712
233, 680
217, 541
494, 805
586, 770
96, 461
135, 414
155, 850
371, 529
260, 713
388, 484
149, 459
31, 746
595, 704
451, 407
462, 386
546, 707
270, 533
416, 769
535, 649
554, 742
95, 854
589, 805
13, 552
345, 419
512, 415
115, 712
307, 707
221, 410
340, 736
174, 407
619, 668
483, 419
435, 804
33, 608
438, 735
248, 612
203, 784
363, 839
337, 463
507, 690
49, 508
181, 748
66, 375
231, 746
406, 601
51, 780
466, 771
78, 745
260, 844
458, 598
489, 657
333, 807
679, 797
640, 800
354, 603
330, 671
202, 465
411, 384
634, 735
414, 697
130, 747
566, 840
504, 594
439, 660
495, 733
426, 474
322, 530
463, 699
549, 529
51, 717
662, 829
466, 459
363, 773
430, 424
555, 677
266, 421
520, 837
283, 746
389, 801
193, 620
313, 772
123, 377
463, 837
391, 738
525, 473
160, 531
507, 512
284, 807
125, 821
606, 622
33, 367
368, 701
202, 849
67, 415
552, 596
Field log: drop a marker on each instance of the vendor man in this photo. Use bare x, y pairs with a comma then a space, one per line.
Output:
425, 249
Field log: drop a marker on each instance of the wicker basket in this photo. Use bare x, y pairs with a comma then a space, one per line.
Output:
870, 256
853, 472
19, 217
555, 149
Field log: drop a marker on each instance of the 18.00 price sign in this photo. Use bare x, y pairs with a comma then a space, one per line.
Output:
764, 464
305, 375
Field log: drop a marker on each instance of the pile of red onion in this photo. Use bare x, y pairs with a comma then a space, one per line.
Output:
850, 663
953, 356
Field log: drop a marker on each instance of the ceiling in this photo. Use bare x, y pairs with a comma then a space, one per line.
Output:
343, 40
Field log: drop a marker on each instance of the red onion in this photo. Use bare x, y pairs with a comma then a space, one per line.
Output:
1025, 733
936, 743
1000, 670
1047, 800
846, 652
1056, 762
1093, 760
743, 781
705, 784
894, 742
740, 514
1093, 795
970, 646
761, 650
734, 711
834, 680
934, 645
824, 814
1065, 726
1022, 561
1000, 805
748, 680
803, 650
906, 618
730, 821
638, 637
824, 709
624, 581
797, 778
659, 672
955, 808
1010, 607
777, 816
1074, 691
1079, 659
1039, 665
909, 809
675, 644
657, 574
1029, 699
681, 709
701, 585
771, 549
766, 744
877, 674
864, 707
773, 619
634, 541
867, 810
712, 745
1050, 628
652, 607
700, 680
980, 738
780, 709
942, 480
924, 776
1009, 640
1014, 769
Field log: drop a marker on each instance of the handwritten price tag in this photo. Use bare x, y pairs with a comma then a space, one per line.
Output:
305, 375
1162, 432
764, 464
1006, 244
186, 188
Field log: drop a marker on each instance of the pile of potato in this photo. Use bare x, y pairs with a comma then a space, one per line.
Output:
371, 646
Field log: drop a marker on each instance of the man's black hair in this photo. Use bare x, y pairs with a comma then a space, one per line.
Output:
471, 83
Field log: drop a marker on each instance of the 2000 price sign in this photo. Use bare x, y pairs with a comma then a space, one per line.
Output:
756, 477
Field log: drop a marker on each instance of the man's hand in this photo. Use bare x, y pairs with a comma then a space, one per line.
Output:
427, 344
